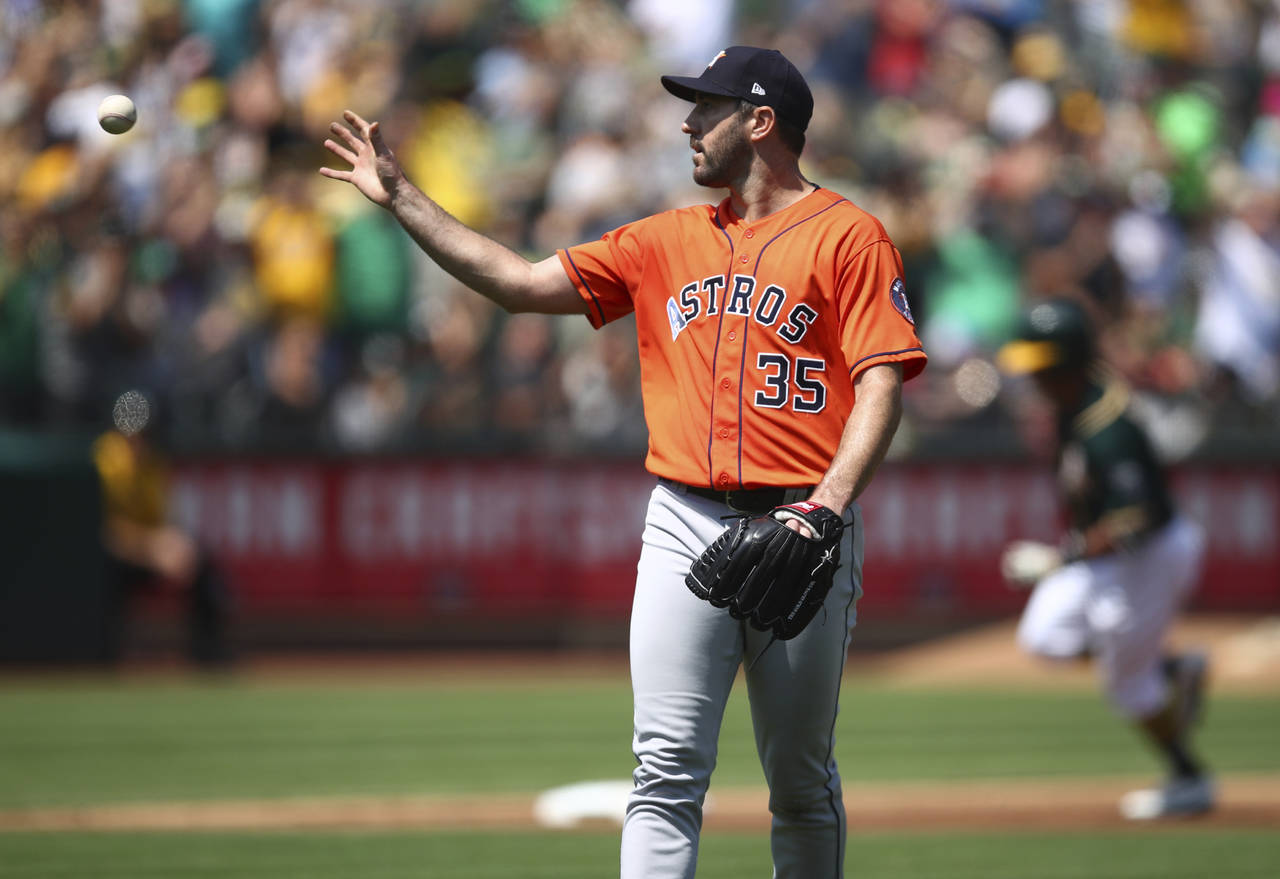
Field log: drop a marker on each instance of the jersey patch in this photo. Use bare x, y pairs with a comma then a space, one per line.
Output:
898, 296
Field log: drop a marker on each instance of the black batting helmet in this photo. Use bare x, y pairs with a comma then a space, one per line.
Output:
1052, 333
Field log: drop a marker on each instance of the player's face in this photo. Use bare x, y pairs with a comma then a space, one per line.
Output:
1063, 387
718, 136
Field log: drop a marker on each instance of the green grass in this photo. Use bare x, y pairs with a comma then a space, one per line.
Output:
67, 741
1153, 854
119, 740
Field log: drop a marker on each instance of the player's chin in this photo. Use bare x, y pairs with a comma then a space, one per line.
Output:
704, 176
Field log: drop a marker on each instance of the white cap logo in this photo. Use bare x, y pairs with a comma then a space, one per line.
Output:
756, 89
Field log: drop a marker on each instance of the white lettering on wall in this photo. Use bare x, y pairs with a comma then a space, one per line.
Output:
249, 512
464, 512
944, 514
468, 513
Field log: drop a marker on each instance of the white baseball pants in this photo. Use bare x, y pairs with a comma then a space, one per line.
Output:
1119, 609
685, 655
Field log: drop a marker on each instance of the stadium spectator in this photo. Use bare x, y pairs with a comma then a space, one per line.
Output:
145, 549
1125, 150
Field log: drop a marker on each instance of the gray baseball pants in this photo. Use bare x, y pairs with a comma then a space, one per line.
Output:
685, 656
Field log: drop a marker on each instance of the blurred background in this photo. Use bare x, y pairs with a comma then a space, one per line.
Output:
360, 452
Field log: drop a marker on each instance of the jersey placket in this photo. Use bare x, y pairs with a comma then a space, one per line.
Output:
727, 402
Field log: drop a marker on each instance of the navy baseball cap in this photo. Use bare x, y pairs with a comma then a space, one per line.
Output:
762, 76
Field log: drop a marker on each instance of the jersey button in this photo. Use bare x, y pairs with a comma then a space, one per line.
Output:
743, 258
750, 233
724, 383
724, 479
724, 433
732, 336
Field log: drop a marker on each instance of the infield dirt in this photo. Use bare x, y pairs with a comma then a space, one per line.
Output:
1059, 804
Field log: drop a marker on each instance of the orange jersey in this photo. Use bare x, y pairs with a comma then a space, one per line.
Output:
751, 334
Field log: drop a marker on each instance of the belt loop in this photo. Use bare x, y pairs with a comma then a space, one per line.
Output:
677, 487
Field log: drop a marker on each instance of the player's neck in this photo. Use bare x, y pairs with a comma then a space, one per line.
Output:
767, 191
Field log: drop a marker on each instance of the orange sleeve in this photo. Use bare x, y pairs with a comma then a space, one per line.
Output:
876, 325
606, 272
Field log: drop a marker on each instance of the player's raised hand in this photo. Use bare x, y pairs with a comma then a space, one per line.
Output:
374, 168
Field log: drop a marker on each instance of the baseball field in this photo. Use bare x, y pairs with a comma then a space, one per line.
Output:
960, 758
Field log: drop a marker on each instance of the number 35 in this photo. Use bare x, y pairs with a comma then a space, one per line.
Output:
810, 394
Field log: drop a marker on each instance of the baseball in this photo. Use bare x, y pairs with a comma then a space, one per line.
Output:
117, 113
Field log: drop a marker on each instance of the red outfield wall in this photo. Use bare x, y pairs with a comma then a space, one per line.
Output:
441, 541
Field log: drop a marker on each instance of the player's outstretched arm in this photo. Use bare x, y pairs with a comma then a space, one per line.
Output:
481, 263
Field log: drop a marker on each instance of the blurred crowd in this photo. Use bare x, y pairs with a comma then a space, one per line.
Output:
1126, 152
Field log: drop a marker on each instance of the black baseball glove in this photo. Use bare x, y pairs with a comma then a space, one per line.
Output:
767, 574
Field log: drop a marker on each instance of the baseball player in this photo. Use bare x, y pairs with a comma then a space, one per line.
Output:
774, 336
1129, 560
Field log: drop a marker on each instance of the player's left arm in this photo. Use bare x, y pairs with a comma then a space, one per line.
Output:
1117, 530
877, 409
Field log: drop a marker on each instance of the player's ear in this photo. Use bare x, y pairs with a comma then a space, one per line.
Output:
763, 121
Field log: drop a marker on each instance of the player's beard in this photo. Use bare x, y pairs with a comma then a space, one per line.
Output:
725, 160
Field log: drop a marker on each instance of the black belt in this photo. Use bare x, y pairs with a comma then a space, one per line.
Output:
743, 500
